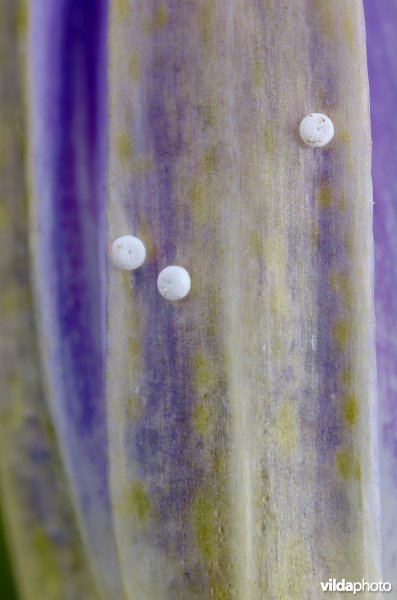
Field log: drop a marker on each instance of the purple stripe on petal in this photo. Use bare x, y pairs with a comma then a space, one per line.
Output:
68, 119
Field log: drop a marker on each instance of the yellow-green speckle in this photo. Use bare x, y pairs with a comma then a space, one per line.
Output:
135, 346
293, 571
122, 9
269, 142
201, 417
326, 17
124, 147
206, 525
346, 376
210, 524
198, 194
133, 68
324, 196
209, 113
213, 304
204, 372
349, 409
348, 243
210, 160
257, 71
275, 346
341, 332
344, 136
349, 33
285, 428
133, 406
136, 502
206, 22
275, 252
255, 244
159, 19
347, 465
278, 301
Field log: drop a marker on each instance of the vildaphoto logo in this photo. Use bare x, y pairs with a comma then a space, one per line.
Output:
355, 587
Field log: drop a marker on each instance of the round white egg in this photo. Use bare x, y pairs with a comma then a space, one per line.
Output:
316, 130
128, 252
173, 283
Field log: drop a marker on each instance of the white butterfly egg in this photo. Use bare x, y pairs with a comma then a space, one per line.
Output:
128, 252
316, 130
173, 283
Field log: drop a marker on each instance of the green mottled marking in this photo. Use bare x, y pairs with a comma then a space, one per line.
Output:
135, 346
213, 304
210, 523
349, 34
325, 17
198, 194
257, 71
209, 533
269, 142
210, 160
133, 406
136, 502
124, 147
278, 301
206, 22
159, 19
346, 376
324, 196
348, 243
285, 428
275, 346
344, 136
347, 465
204, 373
205, 527
209, 113
255, 244
291, 581
341, 332
133, 68
350, 409
122, 9
201, 417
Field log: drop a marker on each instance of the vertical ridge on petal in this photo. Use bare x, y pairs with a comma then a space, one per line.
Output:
253, 482
68, 129
48, 556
